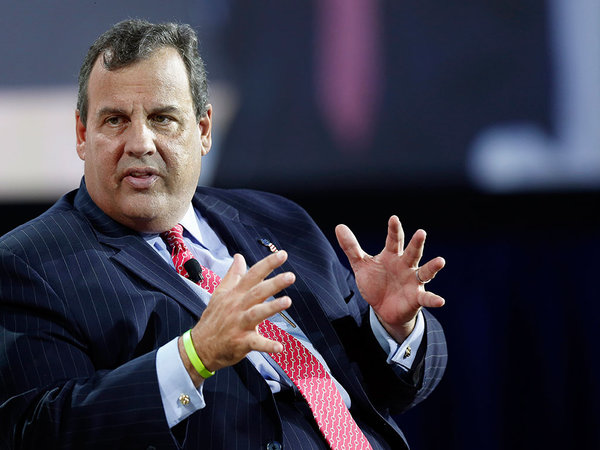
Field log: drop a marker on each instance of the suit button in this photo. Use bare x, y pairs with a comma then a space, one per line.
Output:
274, 445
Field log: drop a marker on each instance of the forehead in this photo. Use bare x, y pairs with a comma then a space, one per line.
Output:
160, 76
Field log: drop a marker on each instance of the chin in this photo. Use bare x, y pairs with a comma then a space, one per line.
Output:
145, 224
150, 212
152, 219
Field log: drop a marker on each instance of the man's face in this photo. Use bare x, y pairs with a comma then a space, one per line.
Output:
142, 145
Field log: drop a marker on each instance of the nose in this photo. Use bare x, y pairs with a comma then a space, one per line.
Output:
140, 140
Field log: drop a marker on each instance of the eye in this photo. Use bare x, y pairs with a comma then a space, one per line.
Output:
113, 120
162, 119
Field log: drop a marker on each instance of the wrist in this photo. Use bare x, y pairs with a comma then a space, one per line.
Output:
399, 332
192, 371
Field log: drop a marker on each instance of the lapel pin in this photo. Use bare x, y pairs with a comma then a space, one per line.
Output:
273, 249
268, 244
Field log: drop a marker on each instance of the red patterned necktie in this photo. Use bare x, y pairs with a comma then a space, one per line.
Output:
318, 389
182, 257
304, 369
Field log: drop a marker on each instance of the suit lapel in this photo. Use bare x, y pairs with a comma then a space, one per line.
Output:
136, 256
241, 236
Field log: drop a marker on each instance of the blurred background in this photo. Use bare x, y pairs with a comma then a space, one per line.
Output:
477, 121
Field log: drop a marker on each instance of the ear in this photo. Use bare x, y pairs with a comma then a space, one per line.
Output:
80, 132
205, 127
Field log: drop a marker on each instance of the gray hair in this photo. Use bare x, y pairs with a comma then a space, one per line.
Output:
132, 40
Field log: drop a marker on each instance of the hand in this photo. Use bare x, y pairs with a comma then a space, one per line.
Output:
227, 330
388, 281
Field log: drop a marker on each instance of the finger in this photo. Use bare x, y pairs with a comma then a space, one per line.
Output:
234, 273
256, 314
268, 288
349, 244
262, 344
262, 269
395, 237
430, 269
431, 300
414, 249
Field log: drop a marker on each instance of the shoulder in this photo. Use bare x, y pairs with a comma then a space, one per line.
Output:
241, 196
257, 204
50, 230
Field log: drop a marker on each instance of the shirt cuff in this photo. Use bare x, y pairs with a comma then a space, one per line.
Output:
402, 354
180, 397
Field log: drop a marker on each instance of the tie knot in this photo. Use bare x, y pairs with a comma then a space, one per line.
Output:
174, 236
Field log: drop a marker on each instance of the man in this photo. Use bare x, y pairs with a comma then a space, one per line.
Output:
93, 307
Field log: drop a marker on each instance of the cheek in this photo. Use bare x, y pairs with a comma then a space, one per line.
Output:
194, 163
186, 168
100, 159
186, 158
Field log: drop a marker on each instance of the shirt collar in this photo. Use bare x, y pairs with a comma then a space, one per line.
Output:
190, 224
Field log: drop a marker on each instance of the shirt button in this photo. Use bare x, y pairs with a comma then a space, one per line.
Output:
274, 445
184, 399
407, 352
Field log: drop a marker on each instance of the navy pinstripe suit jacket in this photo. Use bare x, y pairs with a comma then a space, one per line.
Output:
85, 303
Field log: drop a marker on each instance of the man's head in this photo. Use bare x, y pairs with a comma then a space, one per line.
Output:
132, 40
143, 123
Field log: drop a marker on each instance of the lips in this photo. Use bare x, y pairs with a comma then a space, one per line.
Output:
141, 177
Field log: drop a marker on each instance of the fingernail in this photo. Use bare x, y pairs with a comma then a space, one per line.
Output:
289, 276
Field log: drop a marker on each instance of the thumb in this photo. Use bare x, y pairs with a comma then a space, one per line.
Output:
349, 244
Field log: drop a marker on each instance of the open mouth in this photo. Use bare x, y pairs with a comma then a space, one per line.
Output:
141, 178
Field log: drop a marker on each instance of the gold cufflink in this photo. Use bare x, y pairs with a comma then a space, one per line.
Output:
184, 399
407, 352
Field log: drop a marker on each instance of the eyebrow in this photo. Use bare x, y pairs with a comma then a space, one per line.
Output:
109, 110
165, 109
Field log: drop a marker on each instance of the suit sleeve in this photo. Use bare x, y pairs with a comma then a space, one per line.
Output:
391, 388
51, 394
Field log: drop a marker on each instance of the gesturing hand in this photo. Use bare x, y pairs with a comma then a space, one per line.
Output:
227, 330
388, 281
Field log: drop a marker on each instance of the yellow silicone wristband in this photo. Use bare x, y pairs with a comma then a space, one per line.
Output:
190, 351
